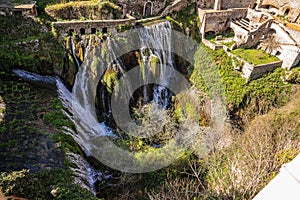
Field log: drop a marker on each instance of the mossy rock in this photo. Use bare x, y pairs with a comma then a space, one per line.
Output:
154, 65
110, 79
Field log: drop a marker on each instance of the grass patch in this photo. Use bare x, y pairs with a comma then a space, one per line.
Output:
255, 56
55, 117
228, 44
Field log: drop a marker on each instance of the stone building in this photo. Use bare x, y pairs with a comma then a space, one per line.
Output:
287, 8
272, 25
25, 9
139, 8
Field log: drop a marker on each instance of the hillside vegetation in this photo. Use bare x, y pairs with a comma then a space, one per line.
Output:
84, 10
243, 169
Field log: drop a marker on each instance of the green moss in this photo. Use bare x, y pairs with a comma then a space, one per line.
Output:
186, 19
23, 45
67, 143
179, 24
58, 10
123, 28
228, 44
110, 79
154, 62
56, 117
255, 56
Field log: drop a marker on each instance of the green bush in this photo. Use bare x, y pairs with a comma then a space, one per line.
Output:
293, 76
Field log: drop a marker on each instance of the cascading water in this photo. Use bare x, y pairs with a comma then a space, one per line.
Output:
159, 36
153, 60
155, 47
74, 51
81, 103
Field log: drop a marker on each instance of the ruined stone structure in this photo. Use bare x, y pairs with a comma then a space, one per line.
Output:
217, 21
26, 9
90, 26
284, 44
176, 6
255, 24
136, 8
288, 8
148, 9
250, 30
225, 4
253, 72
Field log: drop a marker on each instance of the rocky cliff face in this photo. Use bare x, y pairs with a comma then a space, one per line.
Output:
136, 7
85, 10
288, 8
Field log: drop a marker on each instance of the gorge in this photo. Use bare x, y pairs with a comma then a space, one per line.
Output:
141, 110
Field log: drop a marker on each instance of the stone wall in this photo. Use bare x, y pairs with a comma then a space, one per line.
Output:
283, 45
226, 4
211, 45
176, 6
290, 8
218, 21
62, 28
290, 55
295, 34
92, 11
136, 7
251, 72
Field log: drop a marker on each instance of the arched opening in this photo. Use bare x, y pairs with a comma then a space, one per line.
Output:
104, 30
148, 9
82, 31
71, 31
286, 12
254, 6
93, 30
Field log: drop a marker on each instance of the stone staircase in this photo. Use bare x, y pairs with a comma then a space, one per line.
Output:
244, 24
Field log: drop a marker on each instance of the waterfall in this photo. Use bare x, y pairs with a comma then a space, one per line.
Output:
158, 36
84, 174
73, 48
154, 46
81, 103
35, 78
